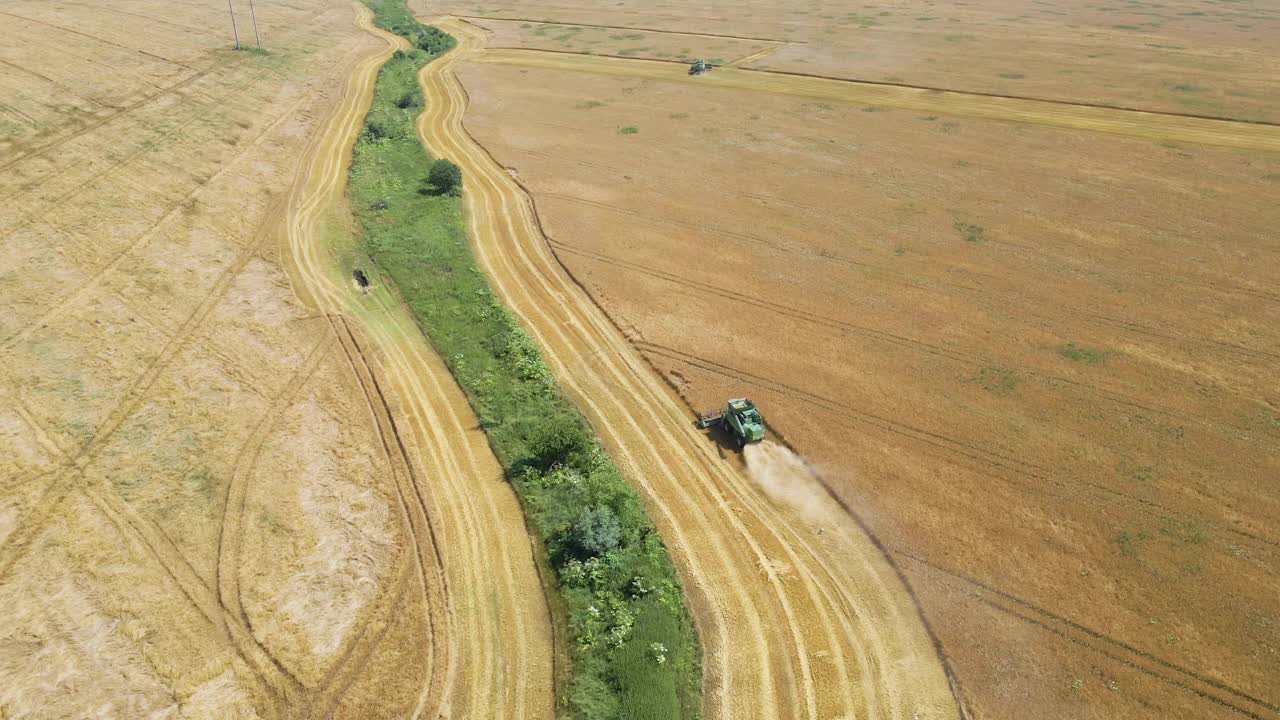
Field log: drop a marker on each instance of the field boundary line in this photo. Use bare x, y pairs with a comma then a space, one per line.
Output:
1057, 114
1028, 98
630, 27
1100, 637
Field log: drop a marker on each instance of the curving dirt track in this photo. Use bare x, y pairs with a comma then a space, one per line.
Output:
491, 648
794, 622
1131, 123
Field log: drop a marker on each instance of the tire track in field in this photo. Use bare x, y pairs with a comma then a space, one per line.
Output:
179, 85
274, 679
269, 675
69, 31
1263, 357
758, 54
1065, 115
226, 569
282, 693
286, 697
196, 106
790, 626
899, 277
948, 446
1149, 664
424, 546
846, 328
493, 647
60, 306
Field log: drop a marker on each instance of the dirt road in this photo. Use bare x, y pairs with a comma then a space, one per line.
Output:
490, 650
1131, 123
794, 623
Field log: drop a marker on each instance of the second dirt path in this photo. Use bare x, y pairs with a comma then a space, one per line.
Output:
491, 649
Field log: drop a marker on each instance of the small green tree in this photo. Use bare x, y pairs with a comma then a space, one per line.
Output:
446, 177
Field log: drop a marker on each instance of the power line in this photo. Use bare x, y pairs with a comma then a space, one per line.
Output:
234, 32
254, 15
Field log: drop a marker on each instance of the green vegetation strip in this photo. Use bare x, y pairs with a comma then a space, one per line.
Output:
634, 653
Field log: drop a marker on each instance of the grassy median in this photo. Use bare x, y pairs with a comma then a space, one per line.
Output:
634, 653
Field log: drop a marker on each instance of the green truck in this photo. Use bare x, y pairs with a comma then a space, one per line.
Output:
739, 419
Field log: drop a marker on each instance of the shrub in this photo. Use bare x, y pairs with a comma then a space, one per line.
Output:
560, 440
445, 176
378, 130
411, 99
596, 531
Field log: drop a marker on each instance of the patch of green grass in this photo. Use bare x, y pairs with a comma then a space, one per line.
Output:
1129, 543
998, 380
632, 51
619, 591
1140, 473
872, 108
1012, 76
963, 163
678, 116
589, 104
900, 250
1272, 177
1125, 27
1183, 530
929, 118
1080, 353
971, 232
1168, 144
628, 130
1188, 88
202, 483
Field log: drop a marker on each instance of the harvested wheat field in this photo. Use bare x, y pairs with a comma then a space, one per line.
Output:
1030, 342
1002, 278
232, 484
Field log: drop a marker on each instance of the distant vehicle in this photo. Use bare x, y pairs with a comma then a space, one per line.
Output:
739, 418
700, 67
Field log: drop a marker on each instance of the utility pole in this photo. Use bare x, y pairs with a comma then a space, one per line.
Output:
254, 15
234, 32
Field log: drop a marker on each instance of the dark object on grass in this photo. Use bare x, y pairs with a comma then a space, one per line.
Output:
361, 278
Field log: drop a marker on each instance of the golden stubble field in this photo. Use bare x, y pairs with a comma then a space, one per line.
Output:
207, 505
1205, 57
1038, 363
